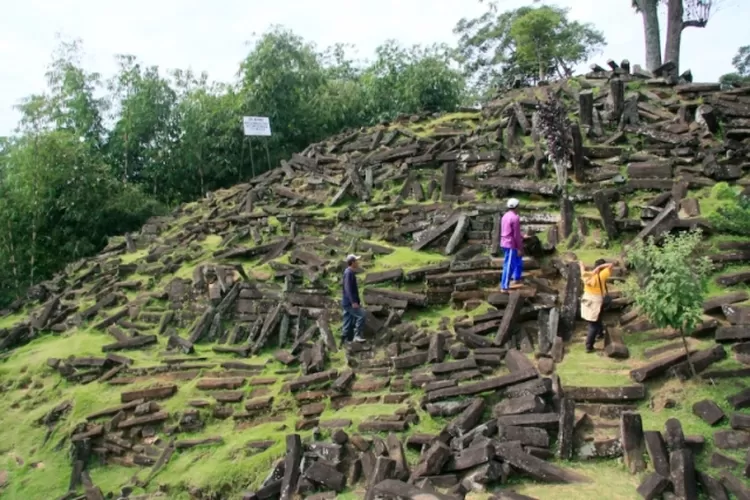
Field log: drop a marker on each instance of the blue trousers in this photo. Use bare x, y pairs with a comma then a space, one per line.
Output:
354, 323
512, 267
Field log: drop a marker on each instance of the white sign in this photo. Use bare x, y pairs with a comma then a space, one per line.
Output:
257, 125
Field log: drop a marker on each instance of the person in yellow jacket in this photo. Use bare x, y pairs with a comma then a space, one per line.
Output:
592, 302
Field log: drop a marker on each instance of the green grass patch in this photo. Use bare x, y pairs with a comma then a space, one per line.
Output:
580, 368
405, 258
12, 319
129, 258
609, 479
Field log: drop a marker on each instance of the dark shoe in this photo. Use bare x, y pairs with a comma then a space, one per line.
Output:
589, 350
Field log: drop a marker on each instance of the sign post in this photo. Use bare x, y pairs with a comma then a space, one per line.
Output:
257, 126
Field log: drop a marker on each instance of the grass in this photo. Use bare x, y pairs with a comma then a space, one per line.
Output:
37, 471
609, 480
462, 119
30, 389
13, 319
404, 258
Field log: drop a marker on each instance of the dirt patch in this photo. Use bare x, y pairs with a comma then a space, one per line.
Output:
668, 396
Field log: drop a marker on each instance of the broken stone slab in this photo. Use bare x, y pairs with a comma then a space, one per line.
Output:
311, 380
663, 223
740, 400
714, 304
454, 366
657, 452
517, 361
682, 473
740, 422
436, 456
708, 411
527, 436
159, 392
192, 443
491, 384
512, 311
731, 440
384, 276
570, 309
606, 394
566, 428
227, 383
658, 367
393, 488
733, 333
528, 403
652, 487
700, 361
326, 476
145, 420
131, 343
631, 436
543, 420
537, 468
437, 232
720, 461
734, 486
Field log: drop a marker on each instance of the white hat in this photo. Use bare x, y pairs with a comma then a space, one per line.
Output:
512, 203
351, 258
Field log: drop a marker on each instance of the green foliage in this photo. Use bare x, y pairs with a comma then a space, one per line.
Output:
731, 212
672, 280
528, 43
741, 63
91, 160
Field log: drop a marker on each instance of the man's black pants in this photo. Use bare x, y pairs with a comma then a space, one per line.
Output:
596, 329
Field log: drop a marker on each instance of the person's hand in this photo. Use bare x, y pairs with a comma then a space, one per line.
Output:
520, 252
355, 306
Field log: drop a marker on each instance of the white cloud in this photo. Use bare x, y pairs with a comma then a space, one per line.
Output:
211, 35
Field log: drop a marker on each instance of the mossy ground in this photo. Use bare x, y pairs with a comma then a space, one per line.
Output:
39, 469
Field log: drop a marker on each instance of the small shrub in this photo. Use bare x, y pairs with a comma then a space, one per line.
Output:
732, 213
672, 282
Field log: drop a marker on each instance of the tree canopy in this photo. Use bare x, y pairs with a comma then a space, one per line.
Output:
94, 158
528, 43
741, 63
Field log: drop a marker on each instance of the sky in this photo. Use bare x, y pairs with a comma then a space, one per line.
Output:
213, 35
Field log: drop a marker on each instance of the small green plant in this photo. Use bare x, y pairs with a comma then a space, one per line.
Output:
671, 282
732, 212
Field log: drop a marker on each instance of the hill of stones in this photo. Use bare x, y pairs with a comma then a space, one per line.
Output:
435, 185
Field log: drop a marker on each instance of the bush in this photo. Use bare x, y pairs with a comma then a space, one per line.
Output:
732, 213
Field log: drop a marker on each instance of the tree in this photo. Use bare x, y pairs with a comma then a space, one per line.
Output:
144, 133
411, 80
741, 63
681, 14
530, 43
649, 10
90, 161
672, 282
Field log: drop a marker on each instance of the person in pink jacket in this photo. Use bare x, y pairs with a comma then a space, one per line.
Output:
511, 241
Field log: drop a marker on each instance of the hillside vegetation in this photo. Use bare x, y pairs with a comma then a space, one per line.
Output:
199, 357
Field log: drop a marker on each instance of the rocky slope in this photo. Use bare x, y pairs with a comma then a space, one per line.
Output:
200, 357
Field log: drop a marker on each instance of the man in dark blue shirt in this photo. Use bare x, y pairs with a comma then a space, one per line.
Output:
354, 315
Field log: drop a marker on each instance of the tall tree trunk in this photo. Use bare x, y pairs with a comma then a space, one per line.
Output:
652, 32
675, 11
